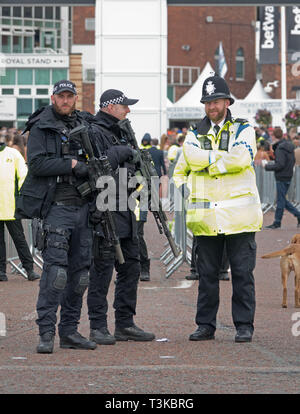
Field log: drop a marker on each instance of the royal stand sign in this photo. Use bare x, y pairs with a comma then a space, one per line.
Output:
33, 61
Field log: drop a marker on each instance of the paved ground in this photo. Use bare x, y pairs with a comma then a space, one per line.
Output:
172, 364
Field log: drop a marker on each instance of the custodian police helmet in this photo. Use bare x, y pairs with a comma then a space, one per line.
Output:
215, 87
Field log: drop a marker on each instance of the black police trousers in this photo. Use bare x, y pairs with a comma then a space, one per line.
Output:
127, 279
241, 252
16, 232
65, 276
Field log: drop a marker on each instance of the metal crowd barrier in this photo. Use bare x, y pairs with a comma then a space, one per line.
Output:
12, 257
266, 185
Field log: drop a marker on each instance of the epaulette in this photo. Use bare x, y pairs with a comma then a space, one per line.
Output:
241, 120
32, 119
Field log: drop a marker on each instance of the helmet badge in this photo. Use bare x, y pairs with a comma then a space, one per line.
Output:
210, 88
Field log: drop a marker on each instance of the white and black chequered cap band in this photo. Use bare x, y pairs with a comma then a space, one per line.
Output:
114, 97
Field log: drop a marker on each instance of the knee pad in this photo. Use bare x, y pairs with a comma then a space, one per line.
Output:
60, 280
82, 283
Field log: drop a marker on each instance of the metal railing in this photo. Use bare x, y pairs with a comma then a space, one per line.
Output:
183, 237
266, 185
11, 252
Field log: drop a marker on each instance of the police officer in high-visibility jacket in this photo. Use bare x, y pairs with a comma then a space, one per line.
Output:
215, 172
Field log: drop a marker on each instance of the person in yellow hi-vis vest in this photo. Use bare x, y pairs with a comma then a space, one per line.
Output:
215, 172
13, 171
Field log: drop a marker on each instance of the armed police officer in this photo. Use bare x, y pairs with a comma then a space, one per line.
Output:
51, 192
107, 136
215, 173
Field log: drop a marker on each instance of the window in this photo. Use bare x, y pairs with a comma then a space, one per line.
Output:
89, 24
17, 11
42, 91
42, 76
59, 74
28, 44
38, 12
7, 91
6, 11
9, 78
28, 12
6, 44
38, 103
24, 91
240, 64
25, 76
24, 108
17, 44
89, 75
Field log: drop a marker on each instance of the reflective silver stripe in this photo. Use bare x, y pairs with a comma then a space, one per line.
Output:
223, 203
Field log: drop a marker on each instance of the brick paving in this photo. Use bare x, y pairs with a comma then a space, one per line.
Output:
173, 365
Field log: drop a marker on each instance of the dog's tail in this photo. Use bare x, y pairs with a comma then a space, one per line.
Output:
284, 252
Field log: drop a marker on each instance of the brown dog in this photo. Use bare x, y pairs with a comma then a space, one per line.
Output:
290, 261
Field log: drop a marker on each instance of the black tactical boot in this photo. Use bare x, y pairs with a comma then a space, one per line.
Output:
32, 275
144, 277
133, 333
76, 341
192, 276
46, 343
102, 336
3, 277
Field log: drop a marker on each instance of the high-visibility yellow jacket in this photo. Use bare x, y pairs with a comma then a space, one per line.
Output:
172, 152
13, 170
223, 194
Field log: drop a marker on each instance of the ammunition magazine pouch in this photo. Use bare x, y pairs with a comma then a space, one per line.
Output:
56, 244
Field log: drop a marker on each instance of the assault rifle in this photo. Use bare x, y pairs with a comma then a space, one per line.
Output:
147, 170
97, 167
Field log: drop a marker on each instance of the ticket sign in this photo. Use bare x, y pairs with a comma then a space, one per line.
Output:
8, 108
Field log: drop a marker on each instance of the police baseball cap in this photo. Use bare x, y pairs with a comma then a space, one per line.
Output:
114, 97
64, 85
215, 87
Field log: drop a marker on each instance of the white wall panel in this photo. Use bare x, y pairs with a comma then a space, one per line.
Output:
131, 55
131, 17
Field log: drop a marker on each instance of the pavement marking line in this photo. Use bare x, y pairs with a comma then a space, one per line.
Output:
248, 369
184, 284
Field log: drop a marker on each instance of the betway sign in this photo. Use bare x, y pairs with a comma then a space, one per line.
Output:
33, 61
269, 17
293, 30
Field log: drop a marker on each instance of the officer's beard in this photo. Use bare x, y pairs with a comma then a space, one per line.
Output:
61, 112
217, 115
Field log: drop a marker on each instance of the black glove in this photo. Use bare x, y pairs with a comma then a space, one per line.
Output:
80, 170
134, 158
184, 191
